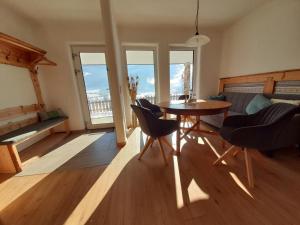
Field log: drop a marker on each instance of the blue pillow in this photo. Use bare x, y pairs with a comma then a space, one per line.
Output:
257, 103
217, 97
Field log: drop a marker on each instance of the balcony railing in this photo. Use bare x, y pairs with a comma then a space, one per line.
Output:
103, 108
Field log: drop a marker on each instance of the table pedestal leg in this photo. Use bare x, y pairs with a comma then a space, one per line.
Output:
178, 117
223, 141
165, 115
198, 121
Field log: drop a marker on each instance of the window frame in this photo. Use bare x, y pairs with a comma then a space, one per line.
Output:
195, 59
155, 60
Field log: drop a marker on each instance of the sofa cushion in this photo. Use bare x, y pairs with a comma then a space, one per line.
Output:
217, 120
278, 100
217, 97
257, 103
238, 100
28, 131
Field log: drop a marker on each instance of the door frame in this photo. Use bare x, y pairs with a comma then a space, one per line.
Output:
76, 50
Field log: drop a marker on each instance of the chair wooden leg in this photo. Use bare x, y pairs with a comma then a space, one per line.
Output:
249, 168
223, 144
236, 152
148, 143
225, 155
162, 151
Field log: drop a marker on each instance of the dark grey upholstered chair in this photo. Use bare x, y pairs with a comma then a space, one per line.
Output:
142, 102
271, 128
154, 128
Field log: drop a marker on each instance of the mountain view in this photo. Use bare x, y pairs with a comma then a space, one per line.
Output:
96, 80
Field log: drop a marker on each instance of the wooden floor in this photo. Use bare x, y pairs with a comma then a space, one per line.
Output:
189, 191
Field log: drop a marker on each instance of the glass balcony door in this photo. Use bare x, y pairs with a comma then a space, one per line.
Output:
91, 72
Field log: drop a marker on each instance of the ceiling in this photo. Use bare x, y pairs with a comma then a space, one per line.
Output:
212, 13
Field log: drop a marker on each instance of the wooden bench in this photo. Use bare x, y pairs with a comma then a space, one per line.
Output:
15, 133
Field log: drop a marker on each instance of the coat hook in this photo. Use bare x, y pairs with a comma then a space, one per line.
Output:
7, 56
18, 59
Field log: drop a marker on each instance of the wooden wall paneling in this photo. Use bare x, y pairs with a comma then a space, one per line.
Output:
221, 85
269, 79
12, 126
269, 86
17, 111
37, 88
256, 78
292, 75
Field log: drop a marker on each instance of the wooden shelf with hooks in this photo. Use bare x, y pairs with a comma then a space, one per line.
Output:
19, 53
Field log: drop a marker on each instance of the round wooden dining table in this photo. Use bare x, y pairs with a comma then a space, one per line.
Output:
195, 108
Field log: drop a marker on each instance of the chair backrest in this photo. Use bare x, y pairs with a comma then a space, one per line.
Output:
142, 102
275, 113
183, 97
146, 119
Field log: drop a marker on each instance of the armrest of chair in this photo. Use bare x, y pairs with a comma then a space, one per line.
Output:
258, 136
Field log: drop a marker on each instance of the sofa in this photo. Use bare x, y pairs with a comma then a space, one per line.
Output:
239, 103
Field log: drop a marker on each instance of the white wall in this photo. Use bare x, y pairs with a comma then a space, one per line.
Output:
268, 39
15, 83
16, 25
59, 85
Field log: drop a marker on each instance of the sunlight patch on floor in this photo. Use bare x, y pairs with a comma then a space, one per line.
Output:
8, 197
179, 196
182, 141
240, 184
101, 187
200, 141
59, 156
196, 193
214, 150
30, 160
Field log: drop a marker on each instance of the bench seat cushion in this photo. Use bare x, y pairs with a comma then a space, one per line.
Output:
28, 131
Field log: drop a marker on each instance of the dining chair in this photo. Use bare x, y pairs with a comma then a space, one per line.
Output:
142, 102
183, 97
273, 127
155, 129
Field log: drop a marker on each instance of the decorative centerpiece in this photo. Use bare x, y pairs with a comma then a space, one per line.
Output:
133, 83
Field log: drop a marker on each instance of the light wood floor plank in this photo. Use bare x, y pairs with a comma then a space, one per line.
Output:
133, 192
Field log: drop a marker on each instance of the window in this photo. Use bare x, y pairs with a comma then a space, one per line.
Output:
181, 72
141, 63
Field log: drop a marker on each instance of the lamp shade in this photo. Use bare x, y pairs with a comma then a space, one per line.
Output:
197, 40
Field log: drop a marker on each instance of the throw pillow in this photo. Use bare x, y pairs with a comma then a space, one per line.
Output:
293, 102
43, 116
61, 113
257, 103
217, 97
53, 114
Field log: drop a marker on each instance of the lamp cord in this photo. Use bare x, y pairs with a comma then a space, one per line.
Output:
197, 18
